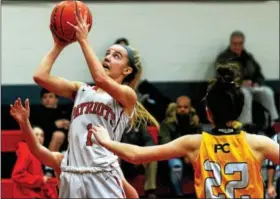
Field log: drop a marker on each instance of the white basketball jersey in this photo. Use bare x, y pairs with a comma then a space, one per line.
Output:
93, 108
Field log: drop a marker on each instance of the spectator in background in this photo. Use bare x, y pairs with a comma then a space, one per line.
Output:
252, 79
273, 172
28, 173
122, 41
181, 119
52, 120
140, 136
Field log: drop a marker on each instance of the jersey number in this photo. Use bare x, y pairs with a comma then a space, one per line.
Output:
216, 180
89, 134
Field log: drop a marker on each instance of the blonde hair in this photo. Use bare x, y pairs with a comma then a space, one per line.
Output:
142, 116
170, 113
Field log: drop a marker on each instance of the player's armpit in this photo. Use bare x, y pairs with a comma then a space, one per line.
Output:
270, 149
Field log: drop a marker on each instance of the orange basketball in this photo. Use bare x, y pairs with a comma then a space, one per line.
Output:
63, 12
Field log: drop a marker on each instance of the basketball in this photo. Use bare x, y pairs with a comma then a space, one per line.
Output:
63, 12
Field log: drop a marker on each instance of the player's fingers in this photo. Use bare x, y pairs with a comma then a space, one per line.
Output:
75, 27
94, 128
98, 127
12, 108
19, 102
26, 104
16, 103
85, 17
79, 14
12, 113
79, 22
93, 132
78, 19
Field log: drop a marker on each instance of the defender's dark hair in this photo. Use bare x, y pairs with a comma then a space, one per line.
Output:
224, 97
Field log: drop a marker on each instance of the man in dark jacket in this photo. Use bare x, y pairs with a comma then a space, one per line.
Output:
252, 79
181, 119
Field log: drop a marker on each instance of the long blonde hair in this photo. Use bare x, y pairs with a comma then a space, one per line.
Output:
170, 113
142, 116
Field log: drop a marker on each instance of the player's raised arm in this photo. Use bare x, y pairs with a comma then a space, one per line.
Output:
58, 85
122, 93
180, 147
21, 114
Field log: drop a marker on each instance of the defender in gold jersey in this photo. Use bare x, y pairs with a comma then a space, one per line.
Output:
227, 160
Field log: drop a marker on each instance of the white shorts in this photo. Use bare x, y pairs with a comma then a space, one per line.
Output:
91, 185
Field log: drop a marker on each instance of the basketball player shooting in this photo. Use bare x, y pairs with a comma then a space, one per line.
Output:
52, 159
88, 169
227, 161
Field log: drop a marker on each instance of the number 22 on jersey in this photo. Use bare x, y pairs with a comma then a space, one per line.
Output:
229, 187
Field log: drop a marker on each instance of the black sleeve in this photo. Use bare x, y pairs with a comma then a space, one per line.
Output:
35, 116
258, 76
224, 56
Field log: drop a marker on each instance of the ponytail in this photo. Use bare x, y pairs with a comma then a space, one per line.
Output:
142, 116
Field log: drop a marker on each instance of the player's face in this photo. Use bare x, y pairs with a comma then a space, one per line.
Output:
115, 62
49, 100
39, 134
237, 45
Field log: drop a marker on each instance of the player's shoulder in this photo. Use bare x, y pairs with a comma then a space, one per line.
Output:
257, 141
193, 141
130, 91
256, 137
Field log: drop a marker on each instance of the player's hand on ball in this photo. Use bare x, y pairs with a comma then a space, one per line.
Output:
82, 28
101, 135
59, 42
19, 112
